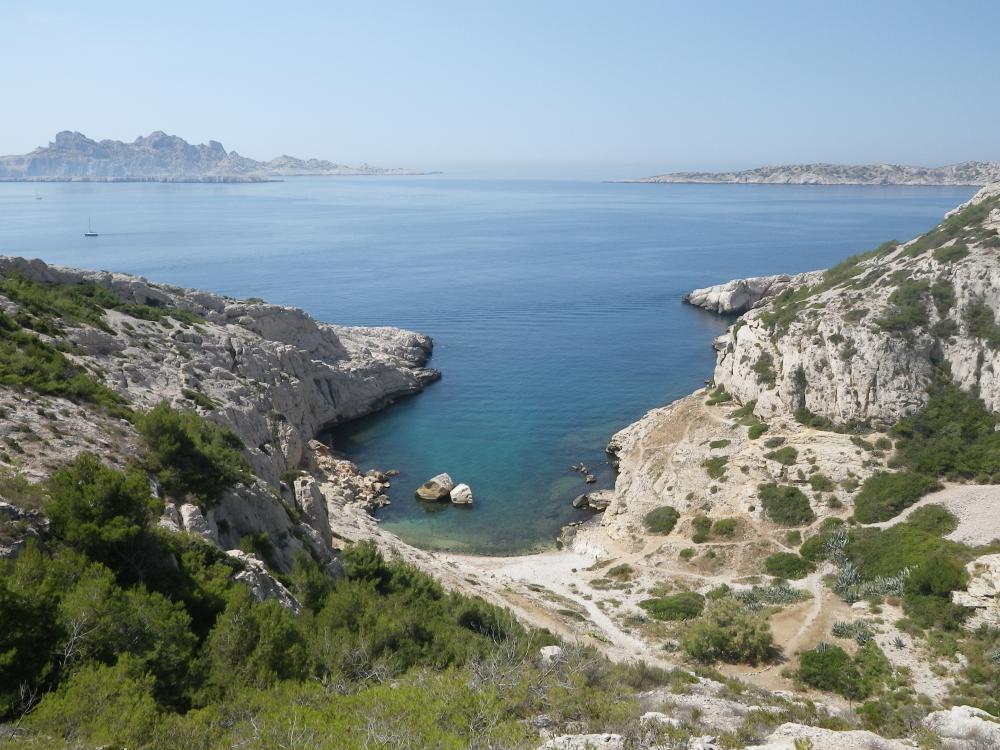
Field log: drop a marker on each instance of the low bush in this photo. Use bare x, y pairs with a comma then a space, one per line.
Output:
725, 527
787, 565
190, 455
951, 253
701, 525
715, 467
728, 633
719, 444
661, 520
953, 436
934, 519
785, 456
718, 396
821, 483
684, 606
884, 496
785, 505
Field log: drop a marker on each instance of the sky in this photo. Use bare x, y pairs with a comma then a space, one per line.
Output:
654, 85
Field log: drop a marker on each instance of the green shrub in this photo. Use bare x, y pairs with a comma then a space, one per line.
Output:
29, 364
774, 442
787, 565
728, 633
745, 416
821, 483
793, 538
884, 496
785, 456
661, 520
724, 527
701, 525
934, 519
715, 467
927, 592
98, 510
887, 552
830, 668
907, 309
718, 396
715, 444
951, 253
943, 294
684, 606
687, 553
623, 572
785, 505
764, 368
190, 455
980, 321
953, 436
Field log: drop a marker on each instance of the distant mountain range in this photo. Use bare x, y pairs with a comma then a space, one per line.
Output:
74, 157
966, 173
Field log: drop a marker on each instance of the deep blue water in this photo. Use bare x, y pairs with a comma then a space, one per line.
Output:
555, 306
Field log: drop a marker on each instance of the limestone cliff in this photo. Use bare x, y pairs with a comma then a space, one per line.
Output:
273, 375
860, 344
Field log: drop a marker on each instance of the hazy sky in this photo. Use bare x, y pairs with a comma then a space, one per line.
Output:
664, 84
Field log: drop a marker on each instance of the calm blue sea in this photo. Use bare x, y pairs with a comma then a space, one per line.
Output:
555, 305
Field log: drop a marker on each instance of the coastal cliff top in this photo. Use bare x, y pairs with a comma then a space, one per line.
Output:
966, 173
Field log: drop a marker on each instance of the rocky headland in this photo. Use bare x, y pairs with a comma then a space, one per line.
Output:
966, 173
159, 157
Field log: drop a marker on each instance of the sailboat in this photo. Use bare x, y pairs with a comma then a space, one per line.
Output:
90, 230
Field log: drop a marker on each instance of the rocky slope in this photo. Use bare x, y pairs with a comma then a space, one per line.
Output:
271, 374
158, 156
966, 173
860, 346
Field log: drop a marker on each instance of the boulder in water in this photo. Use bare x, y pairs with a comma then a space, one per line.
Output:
461, 494
436, 488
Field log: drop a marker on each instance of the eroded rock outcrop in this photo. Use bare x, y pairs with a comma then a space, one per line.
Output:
861, 345
739, 295
983, 592
272, 374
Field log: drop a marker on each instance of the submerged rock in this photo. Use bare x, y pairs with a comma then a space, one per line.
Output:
581, 501
461, 494
436, 488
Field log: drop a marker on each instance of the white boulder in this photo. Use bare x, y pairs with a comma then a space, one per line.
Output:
461, 494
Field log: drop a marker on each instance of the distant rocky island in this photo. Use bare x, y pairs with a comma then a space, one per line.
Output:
967, 173
158, 157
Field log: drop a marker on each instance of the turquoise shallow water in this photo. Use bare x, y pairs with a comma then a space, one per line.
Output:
555, 306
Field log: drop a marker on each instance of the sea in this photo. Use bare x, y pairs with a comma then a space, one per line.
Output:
555, 305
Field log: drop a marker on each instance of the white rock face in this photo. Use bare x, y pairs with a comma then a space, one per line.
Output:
461, 494
550, 654
436, 488
983, 591
261, 583
271, 374
965, 723
837, 351
737, 296
784, 737
585, 742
